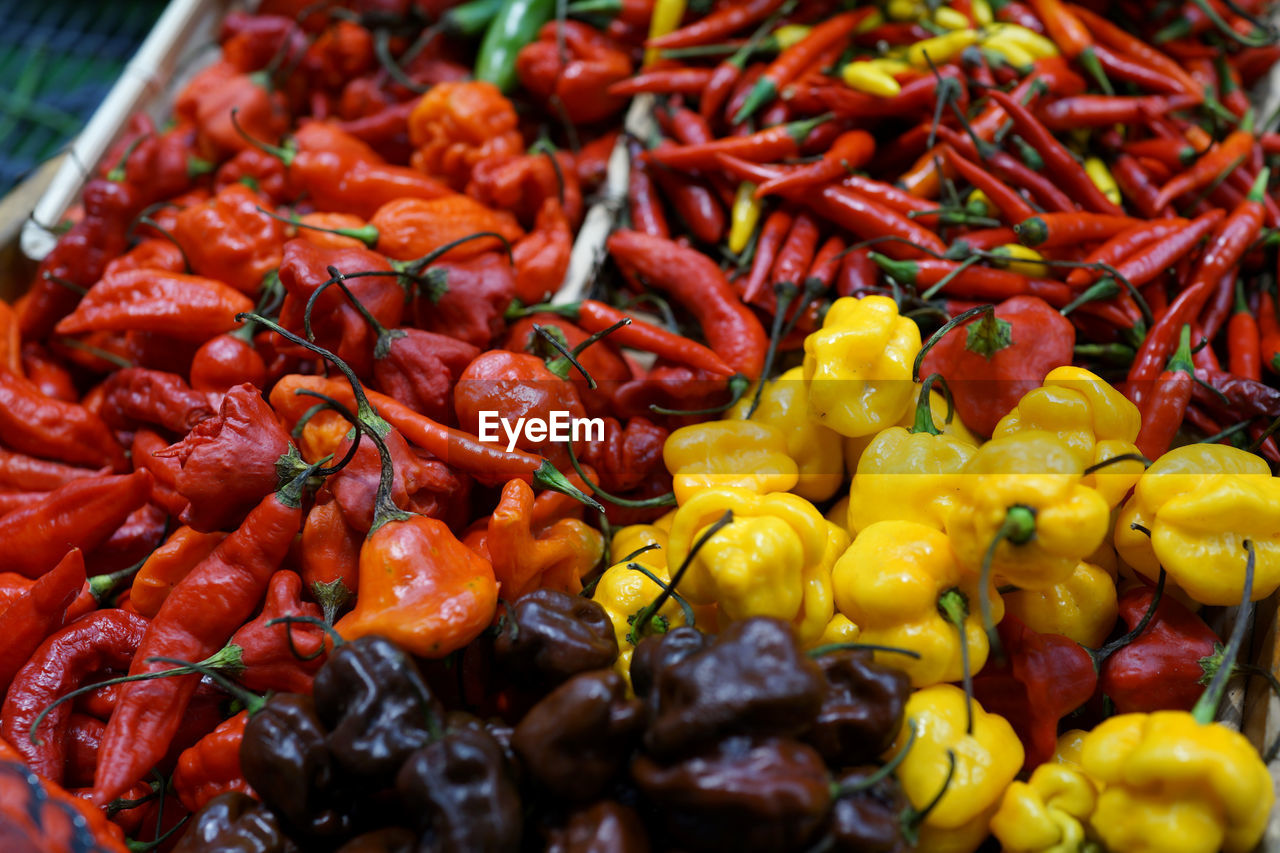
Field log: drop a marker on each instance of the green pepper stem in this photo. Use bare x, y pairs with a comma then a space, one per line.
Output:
738, 385
668, 499
785, 292
367, 234
830, 648
685, 608
955, 321
1018, 528
646, 614
1207, 707
911, 818
882, 772
1099, 656
924, 410
954, 607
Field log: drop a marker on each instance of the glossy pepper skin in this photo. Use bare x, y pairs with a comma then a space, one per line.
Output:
231, 461
1091, 417
375, 705
188, 307
862, 708
858, 366
868, 820
38, 610
212, 766
551, 636
606, 827
740, 793
285, 758
760, 564
890, 582
1037, 471
228, 239
1161, 669
463, 794
1200, 502
282, 657
752, 680
1049, 812
624, 592
48, 428
986, 762
1082, 607
579, 737
1174, 784
816, 449
235, 821
729, 453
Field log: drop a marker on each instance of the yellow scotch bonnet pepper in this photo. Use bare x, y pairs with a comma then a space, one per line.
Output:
1024, 513
1092, 418
739, 454
623, 592
858, 366
816, 450
763, 563
986, 761
1172, 784
1082, 607
1048, 813
1200, 502
908, 475
854, 447
893, 583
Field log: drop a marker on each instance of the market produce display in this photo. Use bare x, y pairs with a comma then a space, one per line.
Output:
878, 493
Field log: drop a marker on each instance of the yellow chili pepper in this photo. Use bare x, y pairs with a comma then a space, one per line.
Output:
871, 79
1200, 502
987, 758
839, 514
981, 11
1070, 749
941, 48
838, 630
816, 450
908, 475
979, 204
817, 605
1048, 813
950, 19
895, 582
745, 216
1012, 53
762, 563
905, 10
1098, 172
788, 35
744, 454
859, 364
666, 17
1022, 259
1024, 512
633, 537
1030, 41
1082, 607
870, 22
1175, 785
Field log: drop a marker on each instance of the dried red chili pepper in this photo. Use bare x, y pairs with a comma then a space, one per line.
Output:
135, 396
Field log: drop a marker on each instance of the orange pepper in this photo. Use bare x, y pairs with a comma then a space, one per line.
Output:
457, 124
170, 563
326, 239
409, 228
212, 766
542, 257
554, 557
322, 434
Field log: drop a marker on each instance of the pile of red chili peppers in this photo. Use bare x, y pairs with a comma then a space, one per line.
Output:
268, 574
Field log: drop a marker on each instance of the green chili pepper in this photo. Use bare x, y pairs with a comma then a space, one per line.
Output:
516, 25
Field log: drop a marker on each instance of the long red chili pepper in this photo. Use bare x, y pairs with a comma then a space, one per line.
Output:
1117, 39
1157, 256
851, 151
1012, 206
642, 196
1207, 169
1050, 230
696, 282
776, 143
1011, 171
720, 24
973, 282
827, 262
1122, 245
772, 234
1125, 69
1102, 110
796, 254
663, 81
1244, 347
692, 200
1269, 332
1167, 402
1057, 159
1137, 186
791, 62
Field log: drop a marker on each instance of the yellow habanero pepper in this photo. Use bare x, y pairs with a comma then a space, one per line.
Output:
1175, 785
905, 10
1070, 749
763, 563
816, 618
858, 366
908, 475
740, 454
987, 758
981, 11
1046, 814
871, 79
1095, 421
624, 592
784, 404
1200, 502
854, 447
1082, 607
895, 582
1023, 512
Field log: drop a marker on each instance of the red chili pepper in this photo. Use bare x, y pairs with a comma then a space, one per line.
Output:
772, 235
1012, 171
1122, 42
775, 143
1166, 406
1051, 230
37, 612
1041, 679
719, 24
827, 262
973, 282
541, 257
647, 215
212, 766
851, 151
183, 306
103, 640
663, 81
135, 396
41, 426
1124, 245
227, 360
1207, 169
1126, 69
1215, 311
694, 202
51, 378
1012, 206
1057, 159
731, 329
1160, 670
82, 514
281, 657
38, 475
1244, 348
796, 254
1103, 110
195, 621
791, 62
1269, 331
568, 67
858, 274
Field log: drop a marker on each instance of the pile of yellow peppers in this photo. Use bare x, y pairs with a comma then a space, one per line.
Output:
930, 535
